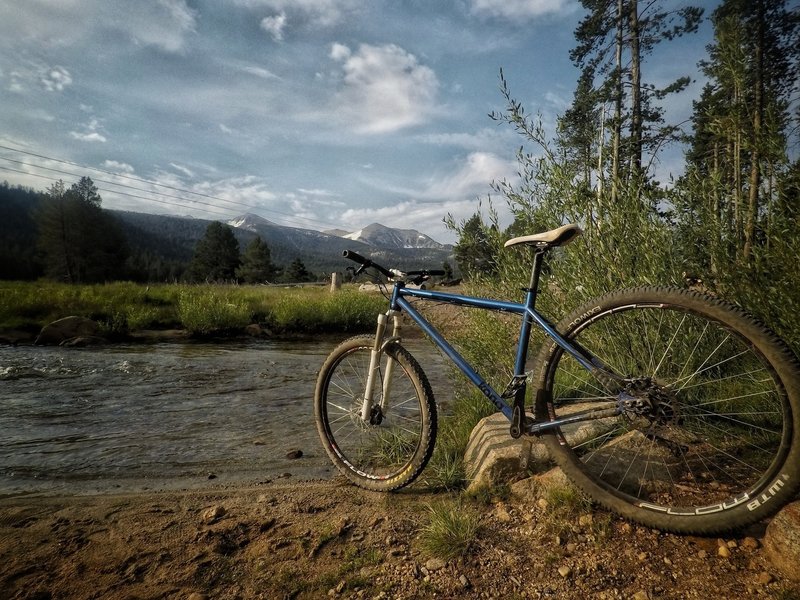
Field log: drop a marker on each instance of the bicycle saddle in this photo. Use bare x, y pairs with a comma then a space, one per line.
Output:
548, 239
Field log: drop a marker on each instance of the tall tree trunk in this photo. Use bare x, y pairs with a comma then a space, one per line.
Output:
617, 133
600, 146
636, 89
755, 151
716, 207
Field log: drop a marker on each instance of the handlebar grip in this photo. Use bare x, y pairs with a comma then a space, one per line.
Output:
355, 257
367, 263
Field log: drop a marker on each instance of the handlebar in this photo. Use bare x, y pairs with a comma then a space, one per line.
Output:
414, 276
366, 263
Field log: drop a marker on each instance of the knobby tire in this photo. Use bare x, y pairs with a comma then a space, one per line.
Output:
382, 456
714, 445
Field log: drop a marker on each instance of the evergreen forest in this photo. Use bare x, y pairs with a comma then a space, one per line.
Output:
64, 235
728, 225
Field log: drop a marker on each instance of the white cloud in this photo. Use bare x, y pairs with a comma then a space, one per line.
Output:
119, 167
253, 70
56, 79
181, 169
16, 85
246, 191
486, 139
340, 52
456, 192
317, 192
384, 88
88, 136
164, 24
274, 26
472, 178
90, 133
520, 9
320, 13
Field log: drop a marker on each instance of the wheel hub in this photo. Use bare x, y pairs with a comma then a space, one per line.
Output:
647, 398
375, 415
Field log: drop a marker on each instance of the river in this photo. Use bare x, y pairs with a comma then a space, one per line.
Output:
165, 416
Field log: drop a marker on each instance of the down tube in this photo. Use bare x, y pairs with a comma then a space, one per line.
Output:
459, 361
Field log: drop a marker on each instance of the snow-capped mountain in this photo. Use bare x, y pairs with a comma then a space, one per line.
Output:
322, 250
387, 237
250, 222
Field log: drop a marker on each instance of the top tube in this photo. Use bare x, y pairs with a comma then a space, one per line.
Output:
502, 306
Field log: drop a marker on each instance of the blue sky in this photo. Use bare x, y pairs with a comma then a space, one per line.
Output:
311, 113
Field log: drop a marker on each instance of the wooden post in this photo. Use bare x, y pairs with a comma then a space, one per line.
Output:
336, 282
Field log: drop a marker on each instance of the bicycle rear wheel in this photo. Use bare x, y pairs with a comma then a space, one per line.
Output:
392, 449
710, 442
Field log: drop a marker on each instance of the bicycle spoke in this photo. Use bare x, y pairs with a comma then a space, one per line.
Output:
704, 419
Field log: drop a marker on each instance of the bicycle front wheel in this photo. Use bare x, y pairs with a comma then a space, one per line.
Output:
707, 439
392, 448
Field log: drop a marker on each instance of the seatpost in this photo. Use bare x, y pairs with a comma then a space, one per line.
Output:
538, 260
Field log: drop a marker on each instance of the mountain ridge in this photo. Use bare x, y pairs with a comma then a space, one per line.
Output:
376, 234
322, 250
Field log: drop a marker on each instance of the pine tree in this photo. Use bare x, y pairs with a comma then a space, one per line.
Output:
612, 41
742, 123
86, 191
79, 241
474, 251
256, 264
59, 236
216, 255
297, 272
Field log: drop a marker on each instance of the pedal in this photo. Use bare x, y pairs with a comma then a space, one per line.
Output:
517, 383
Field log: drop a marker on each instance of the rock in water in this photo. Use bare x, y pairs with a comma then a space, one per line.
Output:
65, 329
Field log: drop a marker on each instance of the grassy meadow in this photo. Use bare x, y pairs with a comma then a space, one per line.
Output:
124, 307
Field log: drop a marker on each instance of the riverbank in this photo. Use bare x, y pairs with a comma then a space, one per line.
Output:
329, 539
122, 309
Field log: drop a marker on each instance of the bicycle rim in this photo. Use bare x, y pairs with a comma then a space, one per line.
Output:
392, 450
713, 431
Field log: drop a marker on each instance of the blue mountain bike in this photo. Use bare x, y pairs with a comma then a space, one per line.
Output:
670, 407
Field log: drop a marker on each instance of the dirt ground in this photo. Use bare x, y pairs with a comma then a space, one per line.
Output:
329, 539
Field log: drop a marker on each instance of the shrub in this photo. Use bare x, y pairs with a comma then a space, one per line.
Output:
451, 530
205, 310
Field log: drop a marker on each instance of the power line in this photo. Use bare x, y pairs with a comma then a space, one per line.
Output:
153, 183
117, 184
149, 199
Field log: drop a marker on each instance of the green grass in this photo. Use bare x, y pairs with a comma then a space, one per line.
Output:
202, 309
451, 530
446, 469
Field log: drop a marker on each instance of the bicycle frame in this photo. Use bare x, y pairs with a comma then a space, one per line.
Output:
399, 303
530, 316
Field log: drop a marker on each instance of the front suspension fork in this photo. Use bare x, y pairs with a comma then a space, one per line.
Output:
376, 354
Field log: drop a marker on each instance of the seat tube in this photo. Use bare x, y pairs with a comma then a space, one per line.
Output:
374, 367
527, 320
524, 337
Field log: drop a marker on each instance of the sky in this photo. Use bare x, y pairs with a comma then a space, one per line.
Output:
318, 114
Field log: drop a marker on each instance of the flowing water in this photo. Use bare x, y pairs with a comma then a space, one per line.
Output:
164, 416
